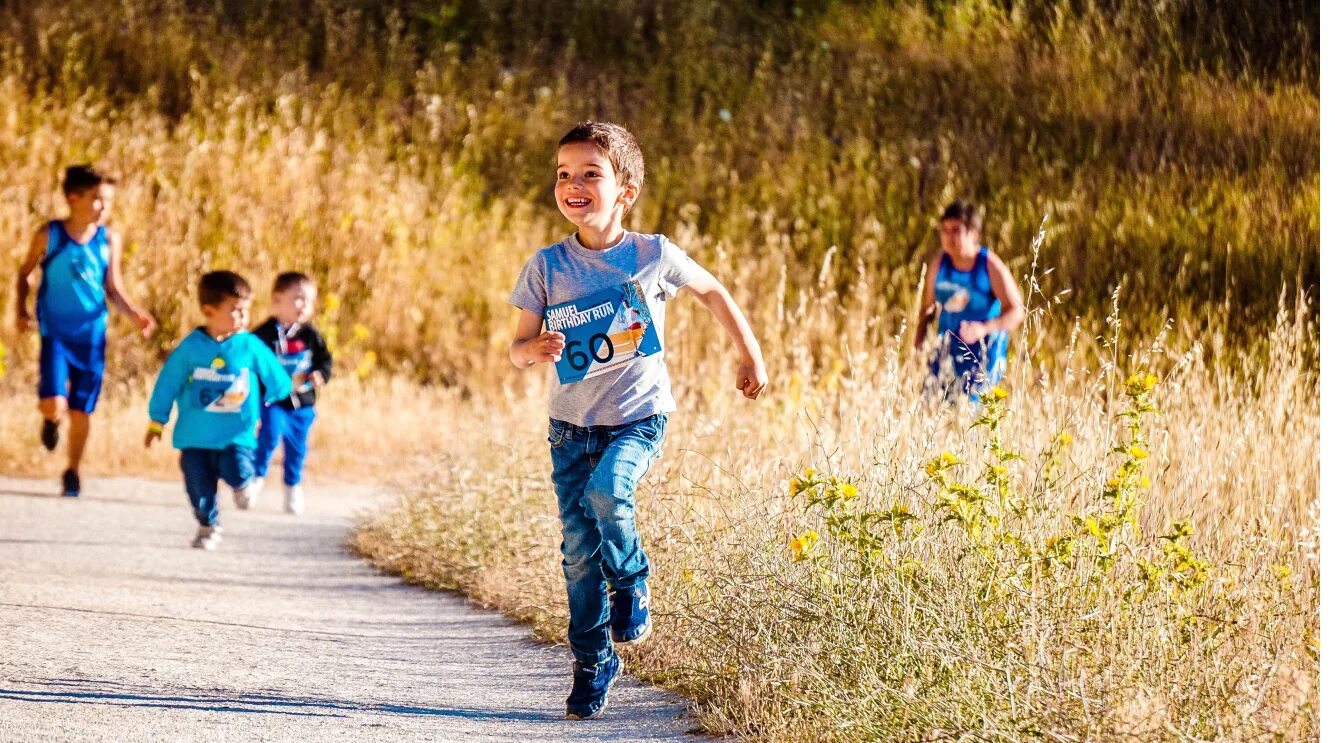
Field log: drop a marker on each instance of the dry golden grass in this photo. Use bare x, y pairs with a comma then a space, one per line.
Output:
933, 636
402, 155
367, 431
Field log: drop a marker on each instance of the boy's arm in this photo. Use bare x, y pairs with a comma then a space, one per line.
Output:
165, 391
1012, 305
751, 375
322, 361
36, 252
927, 301
277, 384
116, 289
531, 345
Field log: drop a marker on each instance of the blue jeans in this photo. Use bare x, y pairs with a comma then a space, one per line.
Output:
595, 471
291, 427
203, 468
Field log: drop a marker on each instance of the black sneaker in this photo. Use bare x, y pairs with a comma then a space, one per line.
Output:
592, 683
71, 481
630, 615
50, 434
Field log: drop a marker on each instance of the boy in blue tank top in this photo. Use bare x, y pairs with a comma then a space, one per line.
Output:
976, 304
81, 272
215, 378
593, 306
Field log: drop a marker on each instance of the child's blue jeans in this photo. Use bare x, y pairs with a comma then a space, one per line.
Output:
595, 471
291, 427
202, 469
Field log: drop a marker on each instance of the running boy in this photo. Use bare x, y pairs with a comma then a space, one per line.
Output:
975, 302
609, 406
303, 353
214, 378
81, 271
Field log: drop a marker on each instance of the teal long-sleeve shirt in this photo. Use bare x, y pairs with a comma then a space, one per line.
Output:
216, 387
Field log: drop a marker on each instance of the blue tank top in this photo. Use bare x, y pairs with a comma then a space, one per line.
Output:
72, 298
967, 296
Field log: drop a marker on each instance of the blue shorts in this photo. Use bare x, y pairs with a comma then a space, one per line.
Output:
73, 371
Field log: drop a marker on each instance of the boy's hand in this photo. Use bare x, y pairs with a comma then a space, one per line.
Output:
151, 436
973, 332
752, 378
317, 379
146, 324
545, 347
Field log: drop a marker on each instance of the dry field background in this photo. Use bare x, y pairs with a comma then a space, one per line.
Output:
401, 153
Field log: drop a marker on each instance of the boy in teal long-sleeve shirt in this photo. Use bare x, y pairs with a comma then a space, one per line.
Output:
215, 377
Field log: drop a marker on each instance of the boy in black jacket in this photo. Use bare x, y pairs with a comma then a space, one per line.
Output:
303, 353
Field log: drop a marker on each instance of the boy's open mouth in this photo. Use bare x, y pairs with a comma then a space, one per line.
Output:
578, 203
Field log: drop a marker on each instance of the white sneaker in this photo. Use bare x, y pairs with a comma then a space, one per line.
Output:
207, 538
246, 495
296, 499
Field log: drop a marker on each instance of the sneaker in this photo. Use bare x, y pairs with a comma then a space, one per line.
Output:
246, 495
50, 434
207, 538
71, 484
592, 683
296, 499
630, 615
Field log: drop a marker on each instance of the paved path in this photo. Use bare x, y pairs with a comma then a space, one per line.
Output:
112, 628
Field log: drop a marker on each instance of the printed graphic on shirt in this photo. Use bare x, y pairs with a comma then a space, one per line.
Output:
604, 331
959, 296
296, 359
217, 391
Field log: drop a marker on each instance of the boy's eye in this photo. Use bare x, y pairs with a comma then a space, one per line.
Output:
562, 176
592, 174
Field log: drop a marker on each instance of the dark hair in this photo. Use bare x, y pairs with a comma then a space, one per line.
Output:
80, 178
288, 279
964, 212
216, 286
616, 143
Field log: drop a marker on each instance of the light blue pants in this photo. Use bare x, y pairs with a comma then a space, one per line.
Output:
595, 470
291, 427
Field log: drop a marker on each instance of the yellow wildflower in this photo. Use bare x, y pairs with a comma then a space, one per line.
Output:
794, 486
848, 491
803, 545
1141, 383
808, 473
1063, 439
1137, 451
999, 394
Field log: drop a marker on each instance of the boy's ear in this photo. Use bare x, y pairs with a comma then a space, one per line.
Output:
629, 193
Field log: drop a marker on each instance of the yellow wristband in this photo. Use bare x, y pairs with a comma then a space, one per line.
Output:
154, 427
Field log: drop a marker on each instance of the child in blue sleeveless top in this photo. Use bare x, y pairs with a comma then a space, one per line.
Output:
976, 304
80, 259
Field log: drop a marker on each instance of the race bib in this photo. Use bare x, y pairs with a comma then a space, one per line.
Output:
604, 332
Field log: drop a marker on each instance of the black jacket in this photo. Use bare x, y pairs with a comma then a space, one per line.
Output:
301, 350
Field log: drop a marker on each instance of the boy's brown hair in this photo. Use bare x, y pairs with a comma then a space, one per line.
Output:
616, 143
965, 212
288, 279
216, 286
80, 178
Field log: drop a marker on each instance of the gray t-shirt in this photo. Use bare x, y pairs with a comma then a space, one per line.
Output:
568, 271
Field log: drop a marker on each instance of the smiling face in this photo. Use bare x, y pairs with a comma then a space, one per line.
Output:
228, 317
587, 191
91, 205
294, 304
